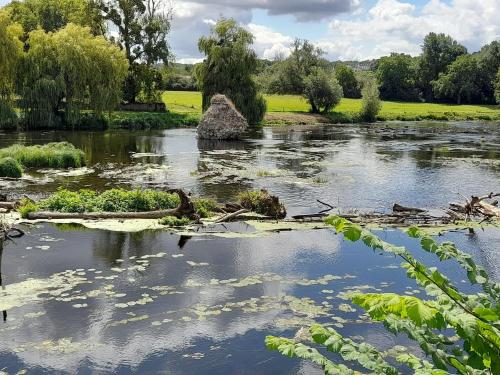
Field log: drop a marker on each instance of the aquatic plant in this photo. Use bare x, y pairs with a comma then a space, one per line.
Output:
172, 221
50, 155
114, 200
262, 203
10, 167
473, 318
205, 207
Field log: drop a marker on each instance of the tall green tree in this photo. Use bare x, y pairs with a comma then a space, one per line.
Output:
322, 91
459, 83
396, 75
11, 50
228, 69
438, 51
370, 104
488, 61
51, 15
143, 27
347, 79
291, 73
497, 87
67, 71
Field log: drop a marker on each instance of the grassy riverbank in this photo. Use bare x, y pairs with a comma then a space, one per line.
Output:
290, 109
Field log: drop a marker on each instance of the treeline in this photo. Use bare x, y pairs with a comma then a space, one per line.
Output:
443, 72
62, 66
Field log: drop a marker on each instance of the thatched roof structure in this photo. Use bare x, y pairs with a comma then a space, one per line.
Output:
222, 120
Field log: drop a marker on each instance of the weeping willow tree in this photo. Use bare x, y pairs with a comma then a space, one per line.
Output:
229, 68
66, 72
11, 50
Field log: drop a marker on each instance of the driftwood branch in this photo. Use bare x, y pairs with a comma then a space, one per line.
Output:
232, 216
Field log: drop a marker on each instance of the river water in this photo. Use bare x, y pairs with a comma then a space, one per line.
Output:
94, 301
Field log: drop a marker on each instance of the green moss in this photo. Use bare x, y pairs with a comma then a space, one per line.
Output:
10, 167
50, 155
205, 207
172, 221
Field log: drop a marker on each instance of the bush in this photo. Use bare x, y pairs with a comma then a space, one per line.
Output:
371, 104
151, 121
91, 121
172, 221
10, 167
321, 91
8, 116
50, 155
114, 200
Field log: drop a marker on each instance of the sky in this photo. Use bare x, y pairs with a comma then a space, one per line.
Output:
344, 29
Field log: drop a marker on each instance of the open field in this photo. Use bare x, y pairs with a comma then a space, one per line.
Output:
279, 105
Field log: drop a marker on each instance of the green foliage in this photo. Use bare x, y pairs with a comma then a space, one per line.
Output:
143, 27
150, 121
8, 116
288, 76
497, 87
396, 75
11, 53
460, 80
172, 221
473, 318
347, 79
321, 91
438, 51
10, 167
69, 64
228, 69
114, 200
52, 15
27, 206
262, 203
50, 155
205, 207
371, 104
488, 61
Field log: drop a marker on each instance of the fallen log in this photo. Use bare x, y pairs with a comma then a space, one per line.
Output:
9, 205
405, 209
232, 216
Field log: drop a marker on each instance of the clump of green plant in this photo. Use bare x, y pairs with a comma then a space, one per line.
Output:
8, 116
371, 104
431, 322
172, 221
50, 155
10, 167
114, 200
205, 207
262, 203
26, 207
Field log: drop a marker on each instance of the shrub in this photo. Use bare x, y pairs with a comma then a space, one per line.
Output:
371, 104
172, 221
321, 91
51, 155
27, 206
10, 167
431, 322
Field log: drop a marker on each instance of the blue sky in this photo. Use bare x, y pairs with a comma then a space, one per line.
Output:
344, 29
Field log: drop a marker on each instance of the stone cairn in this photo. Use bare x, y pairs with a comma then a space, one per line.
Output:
222, 120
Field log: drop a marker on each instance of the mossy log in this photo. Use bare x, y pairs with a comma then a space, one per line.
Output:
185, 209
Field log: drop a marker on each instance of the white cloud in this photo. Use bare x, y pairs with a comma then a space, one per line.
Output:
269, 43
394, 26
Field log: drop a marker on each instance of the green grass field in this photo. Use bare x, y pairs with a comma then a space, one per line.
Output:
190, 102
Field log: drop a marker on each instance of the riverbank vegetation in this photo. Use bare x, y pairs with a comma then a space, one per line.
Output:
459, 332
